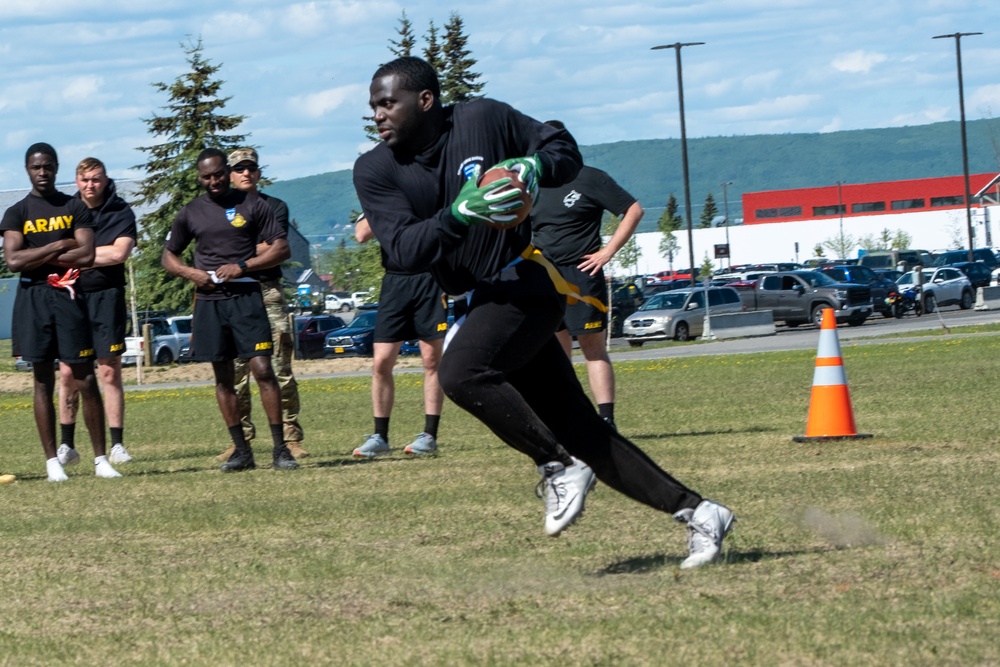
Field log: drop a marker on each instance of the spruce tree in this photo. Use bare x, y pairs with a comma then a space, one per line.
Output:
193, 121
708, 212
458, 82
404, 46
432, 50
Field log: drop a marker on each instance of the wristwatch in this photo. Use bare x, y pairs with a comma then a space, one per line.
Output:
242, 265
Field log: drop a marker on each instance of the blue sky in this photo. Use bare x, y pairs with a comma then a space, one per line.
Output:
77, 73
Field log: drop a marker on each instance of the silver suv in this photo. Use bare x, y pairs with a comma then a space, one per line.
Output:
679, 314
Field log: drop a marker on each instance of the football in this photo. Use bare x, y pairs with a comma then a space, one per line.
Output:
517, 216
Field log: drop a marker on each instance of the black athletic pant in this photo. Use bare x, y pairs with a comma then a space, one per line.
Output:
505, 366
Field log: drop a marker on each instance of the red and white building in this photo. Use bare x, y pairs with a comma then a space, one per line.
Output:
787, 225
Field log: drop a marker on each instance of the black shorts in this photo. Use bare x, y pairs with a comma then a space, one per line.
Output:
583, 318
49, 324
233, 328
410, 307
106, 312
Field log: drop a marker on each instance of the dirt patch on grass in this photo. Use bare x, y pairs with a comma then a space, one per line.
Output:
17, 381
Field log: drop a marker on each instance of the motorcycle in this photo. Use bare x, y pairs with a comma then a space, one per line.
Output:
901, 303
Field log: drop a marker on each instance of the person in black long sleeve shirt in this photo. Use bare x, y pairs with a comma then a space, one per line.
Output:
502, 363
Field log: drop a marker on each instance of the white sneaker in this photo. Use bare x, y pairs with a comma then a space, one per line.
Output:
707, 525
102, 468
119, 454
565, 492
55, 469
67, 455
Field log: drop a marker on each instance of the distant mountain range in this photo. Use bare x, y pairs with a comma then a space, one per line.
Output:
651, 169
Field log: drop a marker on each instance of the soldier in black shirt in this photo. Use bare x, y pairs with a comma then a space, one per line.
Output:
503, 363
567, 229
230, 320
101, 289
48, 236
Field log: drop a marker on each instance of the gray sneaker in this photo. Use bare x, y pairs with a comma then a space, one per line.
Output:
707, 525
374, 446
565, 492
67, 455
423, 445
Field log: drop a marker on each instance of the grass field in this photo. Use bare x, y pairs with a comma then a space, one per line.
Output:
870, 552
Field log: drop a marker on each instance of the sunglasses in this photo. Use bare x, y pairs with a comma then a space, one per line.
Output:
239, 169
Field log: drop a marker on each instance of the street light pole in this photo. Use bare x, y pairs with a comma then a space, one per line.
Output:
840, 210
725, 213
677, 46
965, 147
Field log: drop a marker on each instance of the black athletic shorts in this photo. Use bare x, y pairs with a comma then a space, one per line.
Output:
410, 307
583, 318
106, 312
233, 328
49, 324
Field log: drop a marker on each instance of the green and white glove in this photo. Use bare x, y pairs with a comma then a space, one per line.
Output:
491, 204
529, 170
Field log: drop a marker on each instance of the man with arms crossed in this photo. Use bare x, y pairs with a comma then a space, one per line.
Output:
101, 290
566, 226
47, 237
503, 364
410, 306
230, 320
245, 174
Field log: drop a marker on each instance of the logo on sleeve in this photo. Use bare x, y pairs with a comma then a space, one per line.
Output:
468, 166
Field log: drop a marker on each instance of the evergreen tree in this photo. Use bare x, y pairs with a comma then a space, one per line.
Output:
432, 51
458, 82
407, 41
708, 212
193, 122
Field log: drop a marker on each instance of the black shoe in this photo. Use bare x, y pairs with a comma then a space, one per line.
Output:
283, 460
242, 459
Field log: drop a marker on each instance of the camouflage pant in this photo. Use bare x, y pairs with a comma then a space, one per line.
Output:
284, 347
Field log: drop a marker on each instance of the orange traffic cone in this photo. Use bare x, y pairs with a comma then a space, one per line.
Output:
830, 413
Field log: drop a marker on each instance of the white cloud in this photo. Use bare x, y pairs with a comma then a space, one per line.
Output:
318, 104
984, 101
857, 62
81, 88
934, 114
779, 106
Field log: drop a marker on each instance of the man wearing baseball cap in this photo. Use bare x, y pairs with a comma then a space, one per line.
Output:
245, 174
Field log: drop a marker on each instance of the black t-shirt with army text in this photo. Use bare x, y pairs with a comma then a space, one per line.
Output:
566, 220
45, 220
224, 232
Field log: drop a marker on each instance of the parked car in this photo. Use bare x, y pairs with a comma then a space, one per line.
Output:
889, 274
978, 273
626, 297
360, 297
310, 334
335, 301
943, 286
984, 255
863, 275
678, 314
890, 259
356, 339
170, 335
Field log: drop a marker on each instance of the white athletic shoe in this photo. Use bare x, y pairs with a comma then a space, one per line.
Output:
565, 492
707, 525
102, 468
119, 454
374, 446
55, 469
67, 455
